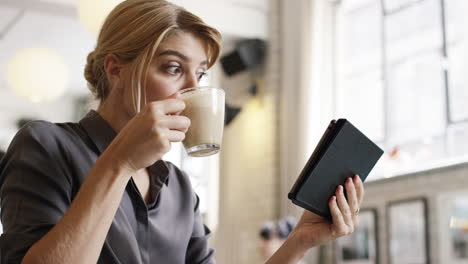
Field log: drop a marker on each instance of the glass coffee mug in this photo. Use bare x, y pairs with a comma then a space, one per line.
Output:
204, 106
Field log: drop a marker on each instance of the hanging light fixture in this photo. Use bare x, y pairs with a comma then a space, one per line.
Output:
92, 13
38, 74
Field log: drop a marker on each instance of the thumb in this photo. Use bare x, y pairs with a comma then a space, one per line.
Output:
176, 95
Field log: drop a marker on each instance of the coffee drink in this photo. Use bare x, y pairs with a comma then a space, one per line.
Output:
204, 106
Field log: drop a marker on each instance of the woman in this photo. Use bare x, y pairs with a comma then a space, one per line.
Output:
97, 191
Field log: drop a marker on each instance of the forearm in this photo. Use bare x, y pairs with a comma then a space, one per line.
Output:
290, 252
79, 236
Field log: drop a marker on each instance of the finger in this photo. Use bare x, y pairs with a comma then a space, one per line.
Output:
175, 96
352, 198
359, 189
344, 207
167, 106
175, 136
181, 123
339, 226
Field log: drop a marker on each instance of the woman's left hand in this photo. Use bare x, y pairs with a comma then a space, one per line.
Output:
313, 230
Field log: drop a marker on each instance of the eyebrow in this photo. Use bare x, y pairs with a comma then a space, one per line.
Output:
180, 55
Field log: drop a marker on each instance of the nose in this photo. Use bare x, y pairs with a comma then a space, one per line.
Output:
191, 81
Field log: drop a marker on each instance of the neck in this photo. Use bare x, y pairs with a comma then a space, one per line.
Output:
114, 114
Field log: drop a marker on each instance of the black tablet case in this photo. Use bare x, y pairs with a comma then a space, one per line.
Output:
342, 152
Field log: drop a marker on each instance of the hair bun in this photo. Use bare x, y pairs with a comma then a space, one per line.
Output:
89, 69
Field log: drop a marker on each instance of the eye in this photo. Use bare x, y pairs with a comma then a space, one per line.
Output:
202, 75
173, 69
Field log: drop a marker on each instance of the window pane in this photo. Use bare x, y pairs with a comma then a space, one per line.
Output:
415, 96
349, 5
395, 5
175, 154
457, 50
407, 232
362, 38
361, 101
202, 173
414, 29
458, 88
455, 18
416, 87
360, 89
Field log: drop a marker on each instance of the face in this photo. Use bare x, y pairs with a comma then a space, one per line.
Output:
180, 62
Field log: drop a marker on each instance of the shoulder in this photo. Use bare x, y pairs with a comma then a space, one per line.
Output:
175, 172
37, 151
173, 168
179, 177
38, 129
44, 133
33, 134
40, 141
180, 180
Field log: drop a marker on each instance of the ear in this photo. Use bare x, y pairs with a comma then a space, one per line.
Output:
113, 66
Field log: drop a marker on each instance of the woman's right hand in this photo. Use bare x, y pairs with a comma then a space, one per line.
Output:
148, 135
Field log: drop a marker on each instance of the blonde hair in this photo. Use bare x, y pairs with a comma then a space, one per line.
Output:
133, 31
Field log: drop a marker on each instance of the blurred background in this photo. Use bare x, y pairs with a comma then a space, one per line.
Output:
395, 68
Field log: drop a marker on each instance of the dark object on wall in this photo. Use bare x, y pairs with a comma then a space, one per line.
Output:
229, 113
253, 89
247, 54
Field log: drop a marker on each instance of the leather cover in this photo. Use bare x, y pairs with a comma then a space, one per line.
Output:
342, 152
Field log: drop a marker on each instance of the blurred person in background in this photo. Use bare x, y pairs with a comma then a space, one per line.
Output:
98, 191
273, 234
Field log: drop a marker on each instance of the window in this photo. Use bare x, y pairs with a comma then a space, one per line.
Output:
400, 78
